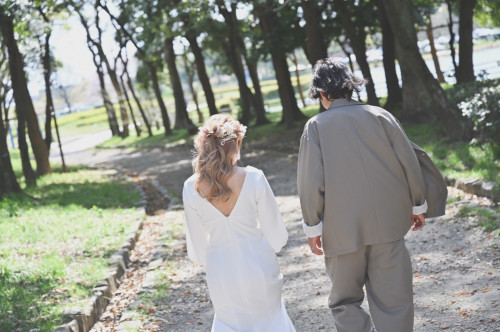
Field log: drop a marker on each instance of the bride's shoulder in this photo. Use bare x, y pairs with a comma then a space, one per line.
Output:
250, 170
190, 182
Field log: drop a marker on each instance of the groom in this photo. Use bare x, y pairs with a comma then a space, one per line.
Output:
361, 189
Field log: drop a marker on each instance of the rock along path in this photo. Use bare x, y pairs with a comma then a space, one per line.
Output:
455, 263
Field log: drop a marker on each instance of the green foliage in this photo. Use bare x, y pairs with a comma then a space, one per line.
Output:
489, 219
56, 244
482, 108
458, 159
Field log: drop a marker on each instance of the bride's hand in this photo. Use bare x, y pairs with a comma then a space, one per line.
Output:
315, 245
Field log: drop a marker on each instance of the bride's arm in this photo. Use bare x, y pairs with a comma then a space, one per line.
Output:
269, 216
196, 236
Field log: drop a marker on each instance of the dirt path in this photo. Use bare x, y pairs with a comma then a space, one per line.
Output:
455, 263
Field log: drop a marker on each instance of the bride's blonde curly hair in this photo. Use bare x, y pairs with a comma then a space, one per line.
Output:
217, 145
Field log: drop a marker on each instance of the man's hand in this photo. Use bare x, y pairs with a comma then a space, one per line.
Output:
315, 245
417, 222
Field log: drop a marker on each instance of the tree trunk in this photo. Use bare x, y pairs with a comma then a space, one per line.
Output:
452, 35
465, 72
258, 98
394, 93
194, 94
430, 36
314, 44
232, 48
127, 99
49, 103
110, 110
297, 75
8, 181
22, 97
108, 105
182, 120
116, 85
159, 98
357, 39
47, 72
423, 97
139, 104
291, 111
202, 72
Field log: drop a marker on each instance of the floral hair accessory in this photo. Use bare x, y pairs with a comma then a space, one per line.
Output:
226, 131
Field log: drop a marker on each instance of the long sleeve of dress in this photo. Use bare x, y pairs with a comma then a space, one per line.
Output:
311, 181
196, 236
269, 217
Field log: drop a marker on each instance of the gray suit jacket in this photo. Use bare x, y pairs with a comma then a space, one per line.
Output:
436, 192
358, 177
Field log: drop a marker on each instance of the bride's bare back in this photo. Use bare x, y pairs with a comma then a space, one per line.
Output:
235, 182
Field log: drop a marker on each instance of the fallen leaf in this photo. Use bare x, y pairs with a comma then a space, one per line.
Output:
452, 301
151, 310
456, 250
485, 289
463, 313
443, 327
432, 321
464, 293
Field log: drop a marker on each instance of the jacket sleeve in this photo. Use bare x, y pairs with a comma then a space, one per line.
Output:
311, 181
196, 236
411, 167
269, 216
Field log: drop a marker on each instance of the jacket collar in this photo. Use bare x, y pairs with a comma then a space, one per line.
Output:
343, 102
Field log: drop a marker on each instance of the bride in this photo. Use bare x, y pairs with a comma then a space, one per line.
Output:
234, 228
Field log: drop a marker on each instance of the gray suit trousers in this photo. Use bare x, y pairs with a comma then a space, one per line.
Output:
385, 270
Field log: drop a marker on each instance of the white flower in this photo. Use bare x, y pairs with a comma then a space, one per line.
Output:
228, 128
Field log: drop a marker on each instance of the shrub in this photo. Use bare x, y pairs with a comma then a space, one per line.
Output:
482, 108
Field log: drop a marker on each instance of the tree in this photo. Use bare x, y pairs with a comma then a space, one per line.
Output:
139, 21
124, 59
423, 97
274, 33
194, 16
181, 116
357, 39
226, 35
8, 181
22, 98
98, 62
46, 10
190, 75
315, 45
465, 69
394, 93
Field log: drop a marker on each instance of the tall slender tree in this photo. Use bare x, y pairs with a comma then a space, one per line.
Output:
139, 21
394, 93
357, 39
182, 119
8, 180
273, 32
22, 97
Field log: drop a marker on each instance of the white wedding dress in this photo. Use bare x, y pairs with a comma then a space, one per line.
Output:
238, 251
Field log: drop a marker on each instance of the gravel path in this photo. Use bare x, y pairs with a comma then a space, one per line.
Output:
455, 263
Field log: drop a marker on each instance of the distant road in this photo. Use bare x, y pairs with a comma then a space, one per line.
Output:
79, 143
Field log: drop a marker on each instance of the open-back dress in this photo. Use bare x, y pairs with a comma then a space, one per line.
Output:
238, 251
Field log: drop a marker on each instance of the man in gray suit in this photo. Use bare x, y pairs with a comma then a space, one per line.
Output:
361, 189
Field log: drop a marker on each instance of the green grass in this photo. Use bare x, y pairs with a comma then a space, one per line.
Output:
56, 244
81, 123
458, 159
489, 219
